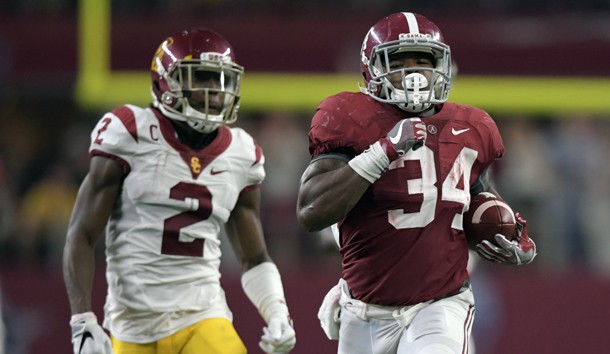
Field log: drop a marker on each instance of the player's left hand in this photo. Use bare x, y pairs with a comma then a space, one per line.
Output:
521, 250
278, 337
88, 337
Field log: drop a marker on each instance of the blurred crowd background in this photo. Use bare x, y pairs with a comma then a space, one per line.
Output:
555, 171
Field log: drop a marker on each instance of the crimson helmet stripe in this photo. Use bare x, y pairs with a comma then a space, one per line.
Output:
412, 22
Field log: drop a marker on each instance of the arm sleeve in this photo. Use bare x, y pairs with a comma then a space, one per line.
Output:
263, 286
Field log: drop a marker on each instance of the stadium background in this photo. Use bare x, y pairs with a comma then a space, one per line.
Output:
541, 68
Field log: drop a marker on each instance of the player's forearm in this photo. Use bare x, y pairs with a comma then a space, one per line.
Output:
78, 271
263, 286
328, 197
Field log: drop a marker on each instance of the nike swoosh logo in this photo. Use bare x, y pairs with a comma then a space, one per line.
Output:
213, 172
396, 138
86, 336
458, 132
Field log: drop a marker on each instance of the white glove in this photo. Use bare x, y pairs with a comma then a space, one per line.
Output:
88, 337
409, 133
521, 250
278, 337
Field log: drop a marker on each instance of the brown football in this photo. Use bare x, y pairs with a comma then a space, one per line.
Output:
487, 216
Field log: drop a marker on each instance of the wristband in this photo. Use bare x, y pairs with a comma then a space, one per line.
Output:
371, 163
82, 316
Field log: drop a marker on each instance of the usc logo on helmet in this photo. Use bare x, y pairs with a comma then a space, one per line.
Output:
157, 62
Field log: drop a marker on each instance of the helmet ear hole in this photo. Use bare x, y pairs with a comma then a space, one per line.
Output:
167, 99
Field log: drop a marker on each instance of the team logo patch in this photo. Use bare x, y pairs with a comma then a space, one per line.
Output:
432, 129
195, 165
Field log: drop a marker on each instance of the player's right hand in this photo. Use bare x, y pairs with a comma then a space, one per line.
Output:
88, 337
409, 133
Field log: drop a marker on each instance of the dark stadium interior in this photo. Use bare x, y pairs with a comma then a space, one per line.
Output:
555, 171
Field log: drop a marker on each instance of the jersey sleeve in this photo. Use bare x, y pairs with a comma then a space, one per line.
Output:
115, 136
254, 159
495, 145
256, 173
324, 134
333, 126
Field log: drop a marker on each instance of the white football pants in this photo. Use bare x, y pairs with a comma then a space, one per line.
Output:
437, 327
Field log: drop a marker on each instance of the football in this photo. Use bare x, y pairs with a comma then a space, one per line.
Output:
487, 216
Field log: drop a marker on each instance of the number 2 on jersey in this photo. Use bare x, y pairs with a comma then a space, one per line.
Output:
171, 243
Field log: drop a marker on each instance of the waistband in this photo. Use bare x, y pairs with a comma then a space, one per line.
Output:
403, 314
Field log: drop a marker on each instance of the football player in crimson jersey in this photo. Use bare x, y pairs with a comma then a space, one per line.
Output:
393, 168
163, 180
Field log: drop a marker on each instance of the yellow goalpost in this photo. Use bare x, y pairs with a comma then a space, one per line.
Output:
98, 87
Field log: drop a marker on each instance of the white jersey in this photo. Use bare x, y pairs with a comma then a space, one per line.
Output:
162, 238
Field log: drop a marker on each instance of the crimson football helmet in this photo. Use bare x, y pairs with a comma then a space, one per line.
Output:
184, 64
400, 32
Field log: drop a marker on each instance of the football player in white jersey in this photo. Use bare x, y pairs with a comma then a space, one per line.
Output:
163, 180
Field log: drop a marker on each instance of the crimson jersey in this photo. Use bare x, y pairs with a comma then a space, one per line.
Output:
403, 242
